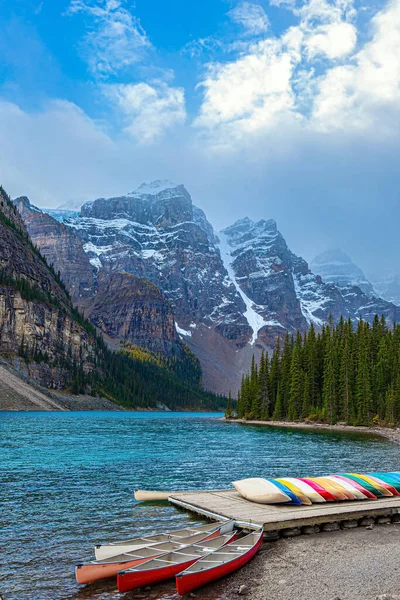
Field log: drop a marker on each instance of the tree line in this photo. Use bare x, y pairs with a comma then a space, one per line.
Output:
343, 373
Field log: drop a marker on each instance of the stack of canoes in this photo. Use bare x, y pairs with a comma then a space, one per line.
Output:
193, 557
310, 490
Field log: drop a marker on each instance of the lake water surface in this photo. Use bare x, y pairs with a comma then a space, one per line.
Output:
67, 481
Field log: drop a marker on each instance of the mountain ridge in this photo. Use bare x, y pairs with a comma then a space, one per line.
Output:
231, 293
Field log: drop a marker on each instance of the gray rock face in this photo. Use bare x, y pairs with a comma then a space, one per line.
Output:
279, 289
336, 267
61, 247
156, 233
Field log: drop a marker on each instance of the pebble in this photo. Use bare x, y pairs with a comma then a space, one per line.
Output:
243, 590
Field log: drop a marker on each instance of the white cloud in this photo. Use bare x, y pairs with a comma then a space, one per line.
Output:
252, 17
327, 28
149, 110
365, 93
250, 93
333, 40
115, 40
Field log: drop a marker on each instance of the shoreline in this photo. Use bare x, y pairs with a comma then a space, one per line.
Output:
392, 435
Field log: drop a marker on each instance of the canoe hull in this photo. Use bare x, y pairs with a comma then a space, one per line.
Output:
132, 580
191, 581
89, 573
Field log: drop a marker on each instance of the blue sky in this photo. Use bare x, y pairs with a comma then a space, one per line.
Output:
287, 109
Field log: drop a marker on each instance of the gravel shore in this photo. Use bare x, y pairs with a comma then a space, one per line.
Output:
356, 564
392, 434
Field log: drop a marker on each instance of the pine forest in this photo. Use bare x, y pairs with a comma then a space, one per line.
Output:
344, 373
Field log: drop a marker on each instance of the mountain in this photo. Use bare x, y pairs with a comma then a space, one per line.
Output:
231, 294
44, 337
281, 292
388, 287
335, 266
124, 307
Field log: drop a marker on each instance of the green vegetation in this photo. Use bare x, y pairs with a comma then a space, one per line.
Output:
341, 374
186, 366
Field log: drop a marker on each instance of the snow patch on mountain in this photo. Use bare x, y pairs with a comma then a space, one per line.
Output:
254, 319
182, 332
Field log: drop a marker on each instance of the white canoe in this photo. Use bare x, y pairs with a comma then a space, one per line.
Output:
152, 496
103, 551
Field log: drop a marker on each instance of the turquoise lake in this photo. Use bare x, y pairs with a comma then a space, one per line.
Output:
67, 481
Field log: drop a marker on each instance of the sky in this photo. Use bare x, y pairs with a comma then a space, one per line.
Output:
284, 109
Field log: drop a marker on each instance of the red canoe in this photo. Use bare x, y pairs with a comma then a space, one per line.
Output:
101, 569
318, 488
217, 564
168, 565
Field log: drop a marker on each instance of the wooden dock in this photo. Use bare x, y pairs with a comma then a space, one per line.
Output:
230, 505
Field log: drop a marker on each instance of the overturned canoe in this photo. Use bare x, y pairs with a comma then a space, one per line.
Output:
168, 565
101, 569
218, 564
103, 551
152, 496
263, 491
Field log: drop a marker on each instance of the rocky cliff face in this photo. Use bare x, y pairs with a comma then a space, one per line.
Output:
125, 308
38, 332
282, 292
130, 309
62, 248
334, 266
157, 234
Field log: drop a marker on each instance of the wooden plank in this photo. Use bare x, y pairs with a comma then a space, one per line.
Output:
229, 504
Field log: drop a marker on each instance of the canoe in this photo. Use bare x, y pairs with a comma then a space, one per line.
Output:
349, 487
368, 484
168, 565
392, 489
131, 545
293, 498
357, 485
318, 488
309, 491
296, 490
388, 478
96, 570
335, 489
263, 491
381, 488
219, 563
152, 496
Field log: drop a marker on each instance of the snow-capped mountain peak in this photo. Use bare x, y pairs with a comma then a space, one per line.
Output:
154, 187
335, 266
